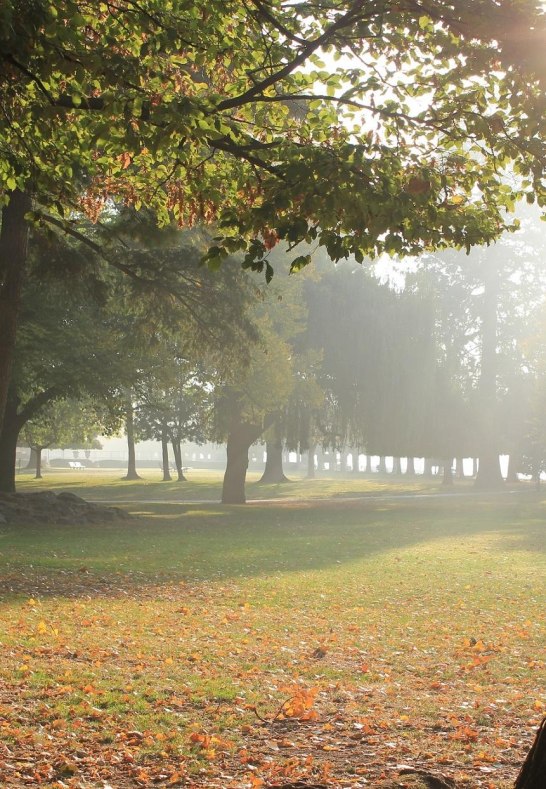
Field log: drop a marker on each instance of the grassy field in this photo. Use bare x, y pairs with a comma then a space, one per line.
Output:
207, 646
207, 485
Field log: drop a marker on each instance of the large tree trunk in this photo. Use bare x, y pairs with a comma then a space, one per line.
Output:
165, 457
355, 461
130, 430
8, 447
396, 466
241, 437
177, 452
273, 472
427, 471
489, 475
410, 466
13, 256
382, 468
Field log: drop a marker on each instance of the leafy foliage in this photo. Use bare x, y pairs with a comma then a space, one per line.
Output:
307, 121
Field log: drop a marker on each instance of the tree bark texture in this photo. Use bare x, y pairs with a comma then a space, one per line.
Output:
13, 255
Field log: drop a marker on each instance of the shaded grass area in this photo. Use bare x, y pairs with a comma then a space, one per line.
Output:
207, 485
411, 631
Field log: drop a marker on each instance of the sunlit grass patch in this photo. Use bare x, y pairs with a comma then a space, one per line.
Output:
206, 485
413, 630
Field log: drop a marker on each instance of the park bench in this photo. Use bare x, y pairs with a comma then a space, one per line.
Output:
75, 465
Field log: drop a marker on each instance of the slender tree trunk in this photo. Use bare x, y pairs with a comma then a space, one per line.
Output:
489, 475
367, 464
38, 474
427, 471
410, 467
448, 473
165, 457
130, 430
311, 462
475, 466
13, 256
396, 466
177, 452
356, 461
382, 468
273, 472
459, 468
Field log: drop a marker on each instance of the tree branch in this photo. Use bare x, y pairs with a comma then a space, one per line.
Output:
256, 90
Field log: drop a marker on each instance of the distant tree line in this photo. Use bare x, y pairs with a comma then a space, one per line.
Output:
445, 363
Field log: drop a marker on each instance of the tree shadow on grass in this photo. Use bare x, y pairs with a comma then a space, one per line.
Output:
168, 542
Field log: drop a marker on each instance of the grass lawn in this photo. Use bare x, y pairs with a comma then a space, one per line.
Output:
160, 651
203, 485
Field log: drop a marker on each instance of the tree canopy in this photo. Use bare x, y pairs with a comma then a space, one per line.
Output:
294, 119
299, 121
